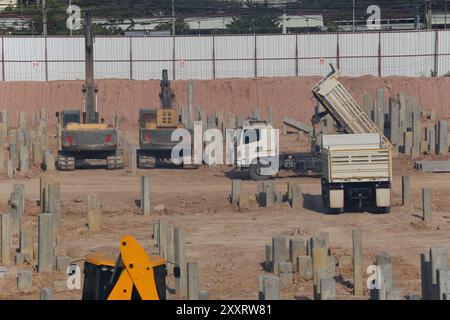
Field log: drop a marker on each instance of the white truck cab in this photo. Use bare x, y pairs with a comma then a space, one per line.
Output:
257, 149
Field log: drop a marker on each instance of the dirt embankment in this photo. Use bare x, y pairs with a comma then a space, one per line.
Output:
287, 96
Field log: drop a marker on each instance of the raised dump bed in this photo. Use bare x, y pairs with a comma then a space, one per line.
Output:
342, 107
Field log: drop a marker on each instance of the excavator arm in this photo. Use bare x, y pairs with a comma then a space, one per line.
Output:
137, 272
133, 275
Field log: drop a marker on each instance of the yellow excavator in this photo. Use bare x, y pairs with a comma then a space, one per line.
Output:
133, 276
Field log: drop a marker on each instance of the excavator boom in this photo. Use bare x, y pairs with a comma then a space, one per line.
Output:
137, 272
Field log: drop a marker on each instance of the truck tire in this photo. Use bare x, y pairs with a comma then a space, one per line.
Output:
146, 162
383, 210
335, 210
254, 172
65, 163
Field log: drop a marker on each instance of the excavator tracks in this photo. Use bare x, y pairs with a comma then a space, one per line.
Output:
65, 163
146, 162
115, 162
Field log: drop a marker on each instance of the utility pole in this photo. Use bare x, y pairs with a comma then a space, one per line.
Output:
44, 17
283, 24
353, 25
445, 19
428, 15
70, 5
173, 18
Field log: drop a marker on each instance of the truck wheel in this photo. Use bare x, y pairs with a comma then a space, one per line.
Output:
335, 210
255, 173
384, 210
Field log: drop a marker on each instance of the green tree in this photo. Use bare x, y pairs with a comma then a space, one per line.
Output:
259, 18
181, 27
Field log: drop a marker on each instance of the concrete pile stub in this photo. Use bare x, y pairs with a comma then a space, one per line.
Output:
145, 195
93, 213
285, 274
269, 194
385, 276
279, 252
268, 261
26, 243
25, 281
393, 294
62, 263
442, 137
296, 249
438, 261
406, 191
46, 294
192, 281
170, 245
304, 267
45, 242
426, 204
271, 288
426, 281
357, 262
180, 261
17, 208
443, 283
162, 238
236, 190
6, 239
49, 161
53, 205
327, 289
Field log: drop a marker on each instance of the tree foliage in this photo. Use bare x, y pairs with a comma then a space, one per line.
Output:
260, 18
181, 27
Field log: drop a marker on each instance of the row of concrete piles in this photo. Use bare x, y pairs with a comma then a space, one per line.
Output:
426, 199
292, 260
218, 120
266, 195
171, 243
49, 255
26, 145
411, 130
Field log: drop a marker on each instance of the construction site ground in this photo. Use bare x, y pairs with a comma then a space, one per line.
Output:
228, 244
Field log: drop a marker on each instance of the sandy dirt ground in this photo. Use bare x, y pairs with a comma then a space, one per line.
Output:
289, 96
228, 244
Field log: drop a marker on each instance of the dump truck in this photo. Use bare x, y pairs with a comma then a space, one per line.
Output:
341, 106
356, 165
156, 126
356, 172
83, 134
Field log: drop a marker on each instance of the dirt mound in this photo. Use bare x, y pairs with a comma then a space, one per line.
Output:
287, 96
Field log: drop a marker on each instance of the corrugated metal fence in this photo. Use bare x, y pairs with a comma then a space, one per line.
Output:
418, 53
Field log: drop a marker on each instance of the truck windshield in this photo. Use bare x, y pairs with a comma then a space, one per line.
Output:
251, 135
71, 118
147, 118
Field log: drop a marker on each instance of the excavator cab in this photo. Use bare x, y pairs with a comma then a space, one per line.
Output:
133, 276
